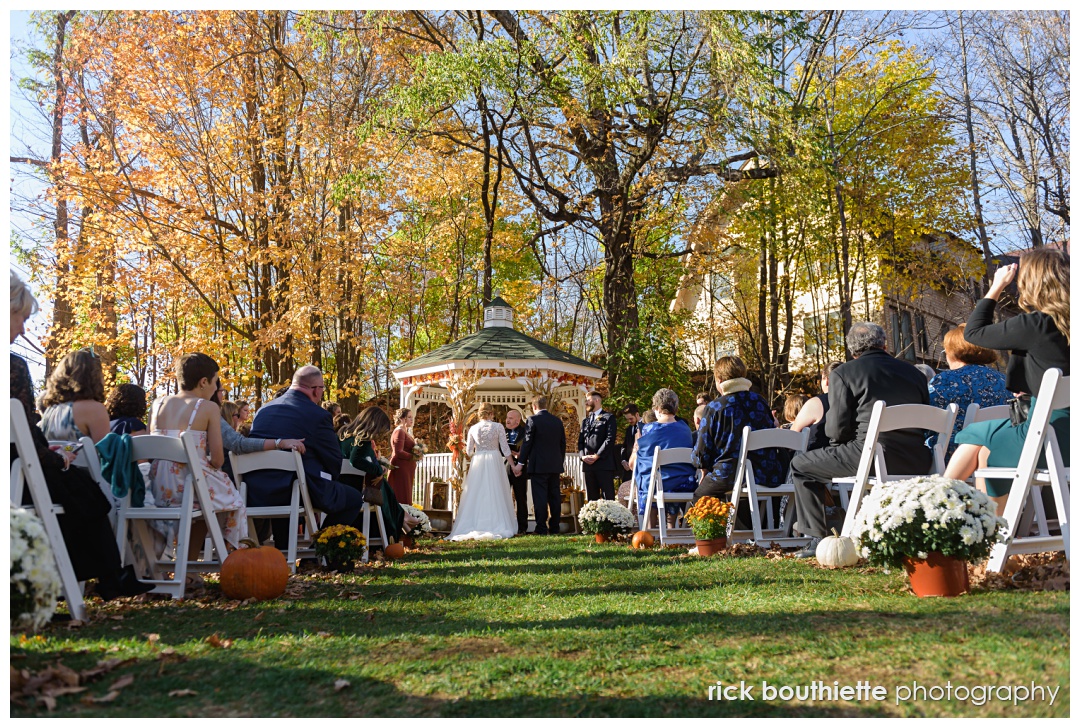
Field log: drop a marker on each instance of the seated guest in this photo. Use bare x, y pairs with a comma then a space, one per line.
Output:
666, 432
927, 370
229, 414
699, 415
340, 421
126, 406
88, 534
332, 407
296, 414
967, 380
233, 441
73, 401
854, 388
812, 414
703, 398
243, 413
358, 446
720, 439
632, 416
793, 405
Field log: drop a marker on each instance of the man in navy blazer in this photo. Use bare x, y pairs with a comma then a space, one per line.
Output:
297, 414
542, 456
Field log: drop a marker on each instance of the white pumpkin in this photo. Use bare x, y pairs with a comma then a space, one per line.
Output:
837, 551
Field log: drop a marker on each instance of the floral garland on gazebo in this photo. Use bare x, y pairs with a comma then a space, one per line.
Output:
440, 378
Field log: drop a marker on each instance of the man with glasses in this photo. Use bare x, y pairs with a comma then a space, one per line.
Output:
298, 415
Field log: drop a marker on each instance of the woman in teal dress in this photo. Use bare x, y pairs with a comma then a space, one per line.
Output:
1039, 341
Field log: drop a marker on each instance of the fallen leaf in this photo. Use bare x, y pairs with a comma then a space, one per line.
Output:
122, 682
48, 701
153, 637
106, 698
168, 651
259, 616
181, 693
440, 596
340, 685
408, 581
116, 617
215, 641
66, 674
18, 679
323, 634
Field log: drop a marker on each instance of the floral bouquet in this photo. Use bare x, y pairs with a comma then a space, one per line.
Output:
386, 464
912, 518
709, 518
605, 517
35, 583
566, 483
424, 527
340, 543
419, 450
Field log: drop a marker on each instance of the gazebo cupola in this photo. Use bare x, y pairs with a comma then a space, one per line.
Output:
498, 313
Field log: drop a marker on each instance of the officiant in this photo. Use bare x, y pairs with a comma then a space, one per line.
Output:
596, 444
515, 437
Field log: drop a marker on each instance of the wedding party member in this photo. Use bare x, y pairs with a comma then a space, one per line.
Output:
192, 411
515, 438
84, 524
719, 441
666, 432
332, 407
542, 457
596, 445
126, 406
401, 456
1038, 340
812, 414
967, 381
340, 421
73, 401
854, 388
296, 414
486, 511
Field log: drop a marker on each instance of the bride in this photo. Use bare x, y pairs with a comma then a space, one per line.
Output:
486, 510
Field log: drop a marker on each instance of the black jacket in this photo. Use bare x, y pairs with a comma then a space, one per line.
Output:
1035, 343
597, 437
545, 444
856, 385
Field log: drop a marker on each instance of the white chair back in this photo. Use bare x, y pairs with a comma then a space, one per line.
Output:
1040, 440
26, 470
976, 413
889, 419
745, 484
656, 494
300, 500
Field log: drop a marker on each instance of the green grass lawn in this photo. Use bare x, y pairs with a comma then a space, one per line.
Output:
558, 626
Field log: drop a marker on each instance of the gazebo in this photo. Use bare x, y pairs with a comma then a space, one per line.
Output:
499, 365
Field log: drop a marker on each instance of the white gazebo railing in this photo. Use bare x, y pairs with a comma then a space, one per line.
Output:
436, 466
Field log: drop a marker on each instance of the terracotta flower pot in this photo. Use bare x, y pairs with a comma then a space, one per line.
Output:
408, 542
937, 576
603, 537
712, 546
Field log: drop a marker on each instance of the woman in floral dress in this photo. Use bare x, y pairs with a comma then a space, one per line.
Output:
192, 410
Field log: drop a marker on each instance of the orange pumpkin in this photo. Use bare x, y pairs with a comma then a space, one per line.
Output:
254, 572
394, 551
642, 540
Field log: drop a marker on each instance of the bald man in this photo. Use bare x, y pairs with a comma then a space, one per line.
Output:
297, 414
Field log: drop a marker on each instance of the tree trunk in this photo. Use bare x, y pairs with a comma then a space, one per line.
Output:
980, 223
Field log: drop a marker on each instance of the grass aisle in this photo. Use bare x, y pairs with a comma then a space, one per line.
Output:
555, 626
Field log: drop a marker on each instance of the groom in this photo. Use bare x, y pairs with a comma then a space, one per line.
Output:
542, 457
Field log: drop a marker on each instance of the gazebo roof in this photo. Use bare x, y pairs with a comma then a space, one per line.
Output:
493, 344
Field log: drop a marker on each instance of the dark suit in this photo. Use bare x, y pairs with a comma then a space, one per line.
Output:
629, 438
543, 454
597, 437
516, 438
293, 416
854, 387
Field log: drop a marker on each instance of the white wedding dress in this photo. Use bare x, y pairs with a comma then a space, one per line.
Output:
486, 510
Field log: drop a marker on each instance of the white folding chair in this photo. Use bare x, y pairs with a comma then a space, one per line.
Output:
745, 485
657, 495
1041, 438
26, 470
299, 502
87, 458
195, 503
348, 469
1036, 514
888, 419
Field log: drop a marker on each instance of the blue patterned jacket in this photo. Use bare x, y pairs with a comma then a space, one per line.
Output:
720, 438
968, 384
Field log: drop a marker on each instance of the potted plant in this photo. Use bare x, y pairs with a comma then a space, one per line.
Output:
35, 583
604, 519
342, 546
932, 526
420, 529
709, 518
